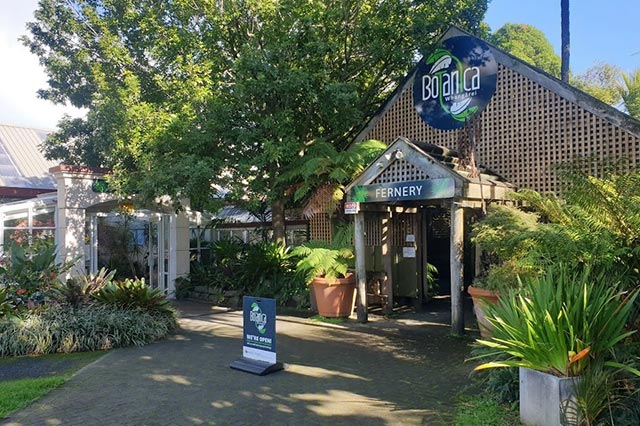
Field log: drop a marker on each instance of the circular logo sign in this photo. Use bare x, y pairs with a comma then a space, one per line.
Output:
455, 82
258, 318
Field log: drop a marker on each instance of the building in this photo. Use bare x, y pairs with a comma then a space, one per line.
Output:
514, 119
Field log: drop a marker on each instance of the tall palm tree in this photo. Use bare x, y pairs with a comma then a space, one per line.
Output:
564, 24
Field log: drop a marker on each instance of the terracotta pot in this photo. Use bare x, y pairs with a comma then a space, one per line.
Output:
481, 297
335, 300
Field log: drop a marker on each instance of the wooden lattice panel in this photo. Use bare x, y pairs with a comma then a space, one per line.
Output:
373, 230
400, 171
524, 132
320, 227
403, 225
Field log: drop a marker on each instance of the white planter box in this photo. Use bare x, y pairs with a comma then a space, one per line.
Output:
545, 400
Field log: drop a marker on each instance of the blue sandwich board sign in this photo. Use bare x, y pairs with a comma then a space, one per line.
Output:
258, 337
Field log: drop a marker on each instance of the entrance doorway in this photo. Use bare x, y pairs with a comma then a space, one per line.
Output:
421, 235
135, 246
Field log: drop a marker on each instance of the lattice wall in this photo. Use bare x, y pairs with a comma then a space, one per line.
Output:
320, 227
403, 225
401, 171
525, 130
373, 230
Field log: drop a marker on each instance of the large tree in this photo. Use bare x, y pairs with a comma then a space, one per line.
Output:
529, 44
613, 86
187, 96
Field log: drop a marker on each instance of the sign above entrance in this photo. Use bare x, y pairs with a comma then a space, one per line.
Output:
401, 191
455, 82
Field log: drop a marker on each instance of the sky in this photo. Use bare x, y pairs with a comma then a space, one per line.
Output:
600, 31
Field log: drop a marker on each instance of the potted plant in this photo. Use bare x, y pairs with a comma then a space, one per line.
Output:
502, 237
326, 269
555, 328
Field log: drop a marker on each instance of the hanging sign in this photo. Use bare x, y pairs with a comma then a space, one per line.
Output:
100, 186
455, 82
401, 191
258, 337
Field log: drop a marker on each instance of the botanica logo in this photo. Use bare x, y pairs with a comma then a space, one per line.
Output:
454, 82
258, 318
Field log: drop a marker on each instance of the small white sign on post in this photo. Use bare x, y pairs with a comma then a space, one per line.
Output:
351, 207
408, 252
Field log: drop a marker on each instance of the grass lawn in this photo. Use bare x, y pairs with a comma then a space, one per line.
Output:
17, 394
484, 411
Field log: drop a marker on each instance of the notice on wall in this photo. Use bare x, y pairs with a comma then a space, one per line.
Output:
408, 252
351, 207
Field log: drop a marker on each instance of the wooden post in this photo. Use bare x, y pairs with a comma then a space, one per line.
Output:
361, 272
457, 269
387, 261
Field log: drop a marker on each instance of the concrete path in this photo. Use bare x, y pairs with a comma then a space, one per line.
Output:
388, 372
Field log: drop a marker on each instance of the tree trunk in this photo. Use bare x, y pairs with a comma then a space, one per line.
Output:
564, 13
277, 221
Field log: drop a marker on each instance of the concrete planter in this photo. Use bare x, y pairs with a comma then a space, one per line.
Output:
481, 298
546, 400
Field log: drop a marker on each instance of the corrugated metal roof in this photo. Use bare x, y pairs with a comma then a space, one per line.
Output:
22, 164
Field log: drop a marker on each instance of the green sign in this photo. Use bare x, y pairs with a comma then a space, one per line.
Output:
100, 186
400, 191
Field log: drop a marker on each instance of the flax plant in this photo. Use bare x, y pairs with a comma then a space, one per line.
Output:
560, 322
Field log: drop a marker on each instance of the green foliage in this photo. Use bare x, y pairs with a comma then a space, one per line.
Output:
264, 269
612, 86
78, 290
323, 163
318, 258
17, 394
32, 268
482, 410
602, 81
505, 235
134, 294
6, 307
630, 92
179, 92
29, 274
559, 323
529, 44
88, 328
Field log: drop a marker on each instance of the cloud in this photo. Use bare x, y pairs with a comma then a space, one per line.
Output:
21, 76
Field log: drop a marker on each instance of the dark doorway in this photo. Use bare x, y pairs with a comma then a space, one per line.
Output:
438, 242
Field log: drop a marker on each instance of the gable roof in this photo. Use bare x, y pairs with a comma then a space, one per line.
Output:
432, 162
565, 90
22, 164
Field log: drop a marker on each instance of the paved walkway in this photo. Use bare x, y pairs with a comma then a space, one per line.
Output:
388, 372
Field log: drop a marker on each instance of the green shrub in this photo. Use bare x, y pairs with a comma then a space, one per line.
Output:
560, 322
134, 294
264, 269
78, 290
89, 328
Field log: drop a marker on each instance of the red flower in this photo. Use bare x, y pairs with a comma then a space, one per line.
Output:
21, 291
52, 275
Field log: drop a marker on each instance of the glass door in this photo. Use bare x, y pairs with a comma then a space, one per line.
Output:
159, 226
